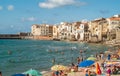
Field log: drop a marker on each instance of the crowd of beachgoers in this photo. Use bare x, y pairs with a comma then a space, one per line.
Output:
102, 64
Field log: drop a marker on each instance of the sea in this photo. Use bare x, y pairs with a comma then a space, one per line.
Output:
18, 56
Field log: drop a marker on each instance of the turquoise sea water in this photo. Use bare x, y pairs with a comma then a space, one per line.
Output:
18, 56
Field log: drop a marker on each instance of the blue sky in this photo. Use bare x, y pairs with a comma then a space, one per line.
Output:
19, 15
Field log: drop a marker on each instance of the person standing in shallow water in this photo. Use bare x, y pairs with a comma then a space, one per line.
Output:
78, 60
53, 60
109, 56
9, 52
0, 73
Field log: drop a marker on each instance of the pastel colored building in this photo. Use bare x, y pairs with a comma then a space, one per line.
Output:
42, 30
98, 29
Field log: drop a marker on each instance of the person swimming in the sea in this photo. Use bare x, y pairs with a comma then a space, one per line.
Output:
9, 52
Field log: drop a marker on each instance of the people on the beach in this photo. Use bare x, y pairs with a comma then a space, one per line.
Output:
103, 65
109, 56
72, 64
61, 73
82, 58
57, 73
108, 71
0, 73
114, 70
87, 73
97, 56
102, 55
78, 60
53, 73
27, 75
76, 68
72, 67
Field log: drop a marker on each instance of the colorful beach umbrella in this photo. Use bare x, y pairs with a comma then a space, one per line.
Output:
108, 52
58, 67
91, 58
86, 63
33, 72
112, 63
18, 75
98, 70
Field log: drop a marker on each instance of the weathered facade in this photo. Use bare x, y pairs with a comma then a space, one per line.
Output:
55, 32
113, 22
101, 29
42, 30
118, 33
98, 29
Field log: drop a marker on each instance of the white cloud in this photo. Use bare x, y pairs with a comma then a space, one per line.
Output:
1, 7
58, 3
29, 19
10, 7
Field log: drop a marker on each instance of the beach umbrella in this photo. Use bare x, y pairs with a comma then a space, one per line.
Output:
91, 58
18, 75
33, 72
86, 63
112, 63
108, 52
98, 70
58, 67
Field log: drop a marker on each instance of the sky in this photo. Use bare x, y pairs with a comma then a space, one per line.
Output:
19, 15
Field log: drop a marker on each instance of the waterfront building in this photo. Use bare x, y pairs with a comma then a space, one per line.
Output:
98, 29
83, 32
75, 30
42, 30
113, 22
63, 30
50, 31
55, 32
35, 29
118, 33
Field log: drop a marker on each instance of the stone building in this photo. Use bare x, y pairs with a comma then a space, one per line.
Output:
42, 30
118, 33
64, 30
113, 22
55, 32
98, 29
84, 36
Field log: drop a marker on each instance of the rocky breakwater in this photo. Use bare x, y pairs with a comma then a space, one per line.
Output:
115, 42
